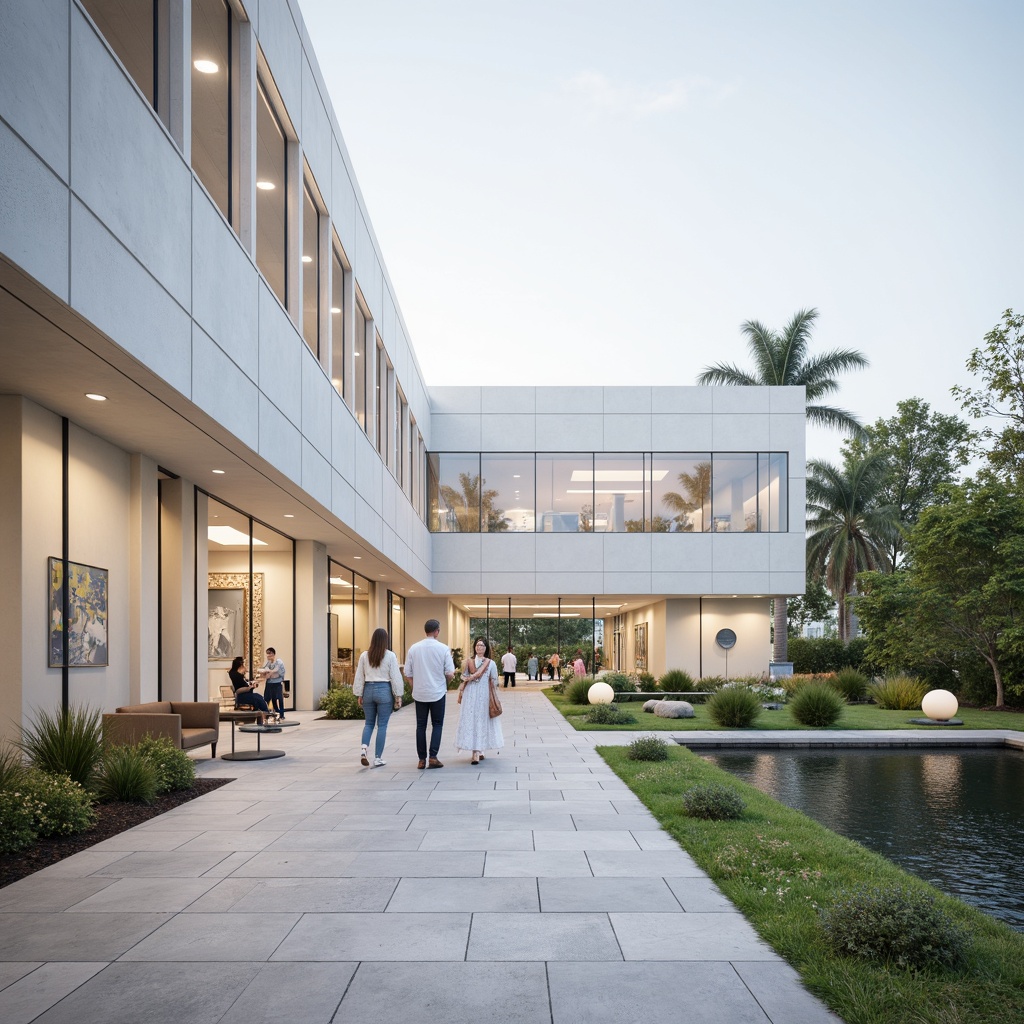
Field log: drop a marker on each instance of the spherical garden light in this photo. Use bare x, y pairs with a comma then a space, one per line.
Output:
939, 705
600, 693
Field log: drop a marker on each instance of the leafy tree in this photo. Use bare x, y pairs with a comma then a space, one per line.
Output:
782, 359
816, 605
923, 450
472, 506
1000, 364
848, 531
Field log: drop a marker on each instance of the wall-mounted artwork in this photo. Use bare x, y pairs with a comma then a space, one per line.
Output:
86, 634
640, 647
228, 611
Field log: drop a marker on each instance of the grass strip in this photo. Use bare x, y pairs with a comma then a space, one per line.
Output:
778, 866
855, 716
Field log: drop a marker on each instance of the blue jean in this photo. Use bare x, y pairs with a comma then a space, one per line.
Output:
434, 708
378, 703
250, 699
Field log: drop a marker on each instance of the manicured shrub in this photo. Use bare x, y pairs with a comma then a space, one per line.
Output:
899, 693
713, 803
12, 766
66, 742
825, 654
852, 684
734, 707
708, 684
127, 776
18, 814
341, 703
62, 806
818, 705
903, 927
174, 768
646, 682
619, 682
675, 680
648, 748
576, 690
608, 714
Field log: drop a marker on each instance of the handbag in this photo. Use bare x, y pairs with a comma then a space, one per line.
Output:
494, 705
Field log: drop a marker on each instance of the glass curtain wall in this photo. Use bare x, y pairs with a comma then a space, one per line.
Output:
773, 496
382, 404
565, 493
310, 270
214, 118
338, 365
396, 625
271, 196
680, 493
250, 595
618, 493
348, 624
734, 493
454, 492
507, 493
360, 366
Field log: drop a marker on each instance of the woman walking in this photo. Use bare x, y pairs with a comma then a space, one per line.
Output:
379, 686
477, 731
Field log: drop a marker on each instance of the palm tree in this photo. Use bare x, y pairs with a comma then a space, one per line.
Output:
848, 531
782, 360
694, 496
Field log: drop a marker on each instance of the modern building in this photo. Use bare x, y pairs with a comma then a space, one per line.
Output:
214, 424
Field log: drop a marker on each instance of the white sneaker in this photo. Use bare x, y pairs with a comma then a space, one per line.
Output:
363, 759
379, 762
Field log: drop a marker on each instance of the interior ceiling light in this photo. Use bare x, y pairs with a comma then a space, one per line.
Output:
219, 472
606, 490
288, 515
339, 582
95, 397
266, 186
609, 475
207, 67
229, 536
307, 259
335, 309
358, 558
554, 615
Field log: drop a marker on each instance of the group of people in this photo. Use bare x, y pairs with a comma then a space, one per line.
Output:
534, 669
379, 686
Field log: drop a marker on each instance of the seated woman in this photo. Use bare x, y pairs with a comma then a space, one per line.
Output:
245, 692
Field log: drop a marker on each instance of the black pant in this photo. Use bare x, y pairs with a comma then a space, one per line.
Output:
434, 708
510, 677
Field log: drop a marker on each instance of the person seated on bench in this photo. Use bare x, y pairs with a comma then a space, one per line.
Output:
245, 692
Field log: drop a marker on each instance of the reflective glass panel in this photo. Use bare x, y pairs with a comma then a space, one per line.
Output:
679, 493
565, 493
734, 493
273, 558
360, 370
338, 368
271, 197
310, 272
454, 492
773, 513
128, 28
508, 493
618, 493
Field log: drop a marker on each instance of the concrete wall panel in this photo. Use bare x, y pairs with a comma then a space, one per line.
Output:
221, 389
316, 474
281, 45
316, 137
280, 440
317, 395
280, 364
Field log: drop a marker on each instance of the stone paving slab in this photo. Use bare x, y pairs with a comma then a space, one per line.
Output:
530, 888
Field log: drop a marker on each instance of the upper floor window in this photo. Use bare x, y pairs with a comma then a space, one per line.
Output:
310, 269
360, 368
137, 34
382, 403
214, 104
339, 368
271, 196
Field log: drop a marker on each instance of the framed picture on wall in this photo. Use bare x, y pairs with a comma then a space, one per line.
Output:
228, 625
86, 632
640, 646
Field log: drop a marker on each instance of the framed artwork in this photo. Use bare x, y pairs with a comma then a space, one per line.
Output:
640, 647
86, 632
228, 615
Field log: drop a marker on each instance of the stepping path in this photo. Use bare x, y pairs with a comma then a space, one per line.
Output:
532, 888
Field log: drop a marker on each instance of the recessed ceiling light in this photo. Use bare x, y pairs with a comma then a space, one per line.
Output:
229, 536
288, 515
266, 186
358, 558
307, 259
95, 397
335, 309
219, 472
207, 67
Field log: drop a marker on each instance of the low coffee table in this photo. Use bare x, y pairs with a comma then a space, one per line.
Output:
246, 722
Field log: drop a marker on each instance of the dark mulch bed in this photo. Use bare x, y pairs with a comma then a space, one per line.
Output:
112, 819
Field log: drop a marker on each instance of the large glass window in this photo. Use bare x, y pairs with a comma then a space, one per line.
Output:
360, 370
271, 197
398, 442
310, 270
136, 32
565, 493
214, 123
508, 493
454, 492
396, 625
679, 493
618, 493
773, 494
348, 624
338, 365
382, 403
734, 493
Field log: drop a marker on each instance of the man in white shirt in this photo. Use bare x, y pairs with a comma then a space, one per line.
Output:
508, 666
428, 667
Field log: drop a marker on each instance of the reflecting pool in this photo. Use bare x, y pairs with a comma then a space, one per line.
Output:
952, 817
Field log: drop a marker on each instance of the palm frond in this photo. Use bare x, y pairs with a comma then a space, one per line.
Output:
818, 374
830, 416
765, 346
726, 373
796, 337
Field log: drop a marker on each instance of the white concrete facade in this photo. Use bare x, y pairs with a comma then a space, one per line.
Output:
120, 274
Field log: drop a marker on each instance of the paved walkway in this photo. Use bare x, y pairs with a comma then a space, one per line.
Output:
534, 888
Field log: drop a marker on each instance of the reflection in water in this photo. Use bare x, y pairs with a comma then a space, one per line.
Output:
951, 817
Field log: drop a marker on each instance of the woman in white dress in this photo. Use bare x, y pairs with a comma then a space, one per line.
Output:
477, 731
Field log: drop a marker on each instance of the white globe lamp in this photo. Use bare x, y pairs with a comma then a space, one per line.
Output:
600, 693
939, 705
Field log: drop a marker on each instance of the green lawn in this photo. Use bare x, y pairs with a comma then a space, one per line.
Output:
778, 866
857, 716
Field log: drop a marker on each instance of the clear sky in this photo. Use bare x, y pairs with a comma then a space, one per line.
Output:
600, 192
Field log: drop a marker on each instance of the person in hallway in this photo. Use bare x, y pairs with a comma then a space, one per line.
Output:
245, 692
477, 731
579, 666
508, 666
428, 667
532, 667
273, 672
379, 686
555, 662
